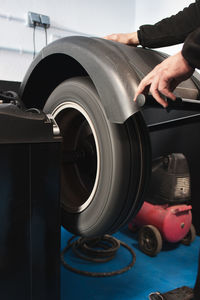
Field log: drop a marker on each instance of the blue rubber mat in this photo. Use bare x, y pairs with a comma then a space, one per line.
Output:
174, 266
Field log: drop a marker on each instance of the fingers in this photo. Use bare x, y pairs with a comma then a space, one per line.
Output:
112, 37
143, 86
147, 84
155, 92
159, 85
124, 38
165, 87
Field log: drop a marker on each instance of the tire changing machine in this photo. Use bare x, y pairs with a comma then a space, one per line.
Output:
29, 205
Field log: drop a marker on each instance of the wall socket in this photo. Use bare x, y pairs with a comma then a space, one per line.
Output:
35, 19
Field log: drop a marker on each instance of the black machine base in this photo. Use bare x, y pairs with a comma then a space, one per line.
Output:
29, 206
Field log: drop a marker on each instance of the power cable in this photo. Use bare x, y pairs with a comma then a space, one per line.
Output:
34, 48
45, 29
34, 43
100, 249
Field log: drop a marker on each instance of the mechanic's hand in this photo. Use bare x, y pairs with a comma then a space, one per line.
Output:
165, 77
124, 38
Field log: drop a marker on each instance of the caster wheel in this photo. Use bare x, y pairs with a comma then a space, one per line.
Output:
190, 236
150, 240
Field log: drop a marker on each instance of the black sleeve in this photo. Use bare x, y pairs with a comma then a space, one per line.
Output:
172, 30
191, 49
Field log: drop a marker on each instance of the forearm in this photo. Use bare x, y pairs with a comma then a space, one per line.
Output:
172, 30
191, 49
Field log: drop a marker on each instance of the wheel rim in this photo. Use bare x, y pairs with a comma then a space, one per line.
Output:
80, 156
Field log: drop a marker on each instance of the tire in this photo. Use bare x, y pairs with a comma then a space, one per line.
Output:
190, 236
150, 240
105, 167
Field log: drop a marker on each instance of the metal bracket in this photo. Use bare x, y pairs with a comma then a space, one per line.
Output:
56, 129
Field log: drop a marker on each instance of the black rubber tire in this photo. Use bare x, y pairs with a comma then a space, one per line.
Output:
190, 236
150, 240
124, 160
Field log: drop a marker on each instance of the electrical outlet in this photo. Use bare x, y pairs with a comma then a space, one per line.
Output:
35, 19
45, 20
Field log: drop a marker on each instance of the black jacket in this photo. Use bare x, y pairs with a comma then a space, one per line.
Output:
179, 28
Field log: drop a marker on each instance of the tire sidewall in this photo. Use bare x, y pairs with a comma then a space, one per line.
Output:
112, 187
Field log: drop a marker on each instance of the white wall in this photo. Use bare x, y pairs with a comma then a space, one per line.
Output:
69, 17
88, 17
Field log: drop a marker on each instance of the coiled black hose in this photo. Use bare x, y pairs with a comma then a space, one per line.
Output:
101, 249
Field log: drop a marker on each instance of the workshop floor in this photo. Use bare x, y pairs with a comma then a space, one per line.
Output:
173, 267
